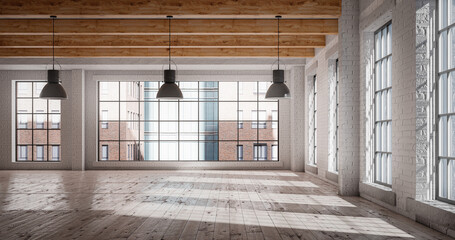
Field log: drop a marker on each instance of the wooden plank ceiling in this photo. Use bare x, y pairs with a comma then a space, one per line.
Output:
138, 28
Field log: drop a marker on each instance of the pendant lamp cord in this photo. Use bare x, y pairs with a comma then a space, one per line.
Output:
53, 42
169, 17
278, 18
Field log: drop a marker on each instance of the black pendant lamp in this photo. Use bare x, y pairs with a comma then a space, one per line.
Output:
169, 90
53, 89
278, 89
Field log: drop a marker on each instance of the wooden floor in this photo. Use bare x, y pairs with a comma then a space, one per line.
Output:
189, 205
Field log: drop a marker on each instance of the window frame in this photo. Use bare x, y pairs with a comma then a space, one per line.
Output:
44, 127
437, 115
158, 140
313, 131
388, 121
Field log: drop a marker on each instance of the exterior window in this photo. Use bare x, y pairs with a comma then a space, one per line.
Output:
383, 105
23, 153
105, 152
240, 123
40, 153
55, 153
313, 122
240, 152
104, 117
274, 152
261, 88
445, 161
37, 125
209, 124
260, 152
333, 120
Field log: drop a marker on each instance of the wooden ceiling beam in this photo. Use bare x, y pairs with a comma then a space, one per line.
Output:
161, 41
154, 52
178, 8
161, 27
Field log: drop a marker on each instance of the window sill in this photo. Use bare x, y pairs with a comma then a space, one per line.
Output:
378, 192
311, 168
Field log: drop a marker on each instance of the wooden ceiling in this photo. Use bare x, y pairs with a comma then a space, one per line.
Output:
138, 28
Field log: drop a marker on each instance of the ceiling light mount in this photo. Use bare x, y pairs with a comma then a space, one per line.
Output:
53, 89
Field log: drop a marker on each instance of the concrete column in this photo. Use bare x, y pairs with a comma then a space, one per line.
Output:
297, 118
77, 99
349, 103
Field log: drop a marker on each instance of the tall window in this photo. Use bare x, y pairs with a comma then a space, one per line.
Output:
446, 102
313, 122
37, 123
274, 152
383, 105
215, 121
333, 120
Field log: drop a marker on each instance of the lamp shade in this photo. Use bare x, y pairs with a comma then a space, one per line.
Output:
278, 89
169, 90
53, 89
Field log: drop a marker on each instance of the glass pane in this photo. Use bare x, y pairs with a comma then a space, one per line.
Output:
228, 111
249, 131
228, 151
443, 51
168, 131
228, 91
40, 137
451, 137
54, 121
443, 136
268, 133
384, 73
384, 105
150, 91
189, 111
443, 98
249, 110
149, 111
129, 131
149, 131
378, 45
384, 42
378, 165
169, 151
24, 121
389, 40
54, 106
247, 150
129, 91
24, 153
451, 180
108, 151
24, 105
109, 130
109, 111
129, 151
40, 121
54, 137
269, 108
249, 91
24, 137
129, 111
389, 169
189, 131
378, 106
208, 151
443, 177
208, 111
189, 91
451, 106
39, 106
208, 131
208, 91
451, 47
24, 89
378, 137
40, 153
263, 87
109, 91
389, 139
189, 151
38, 87
228, 130
151, 151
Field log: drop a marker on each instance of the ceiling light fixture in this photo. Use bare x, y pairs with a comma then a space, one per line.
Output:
278, 89
169, 90
53, 89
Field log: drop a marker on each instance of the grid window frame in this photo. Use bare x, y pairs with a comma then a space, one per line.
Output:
445, 103
313, 122
210, 89
382, 158
52, 135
